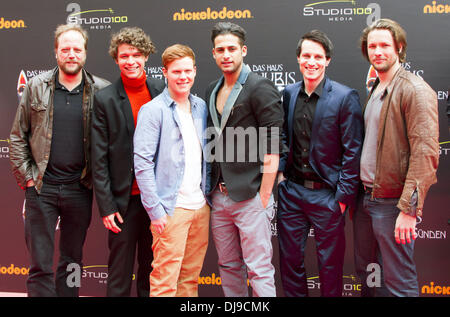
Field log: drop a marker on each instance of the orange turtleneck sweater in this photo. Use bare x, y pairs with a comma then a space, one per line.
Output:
138, 94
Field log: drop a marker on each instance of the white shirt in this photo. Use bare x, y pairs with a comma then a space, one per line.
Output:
190, 195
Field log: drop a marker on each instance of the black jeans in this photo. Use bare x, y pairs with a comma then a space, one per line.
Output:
72, 203
135, 234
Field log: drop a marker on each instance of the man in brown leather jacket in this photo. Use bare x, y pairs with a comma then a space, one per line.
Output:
398, 165
50, 158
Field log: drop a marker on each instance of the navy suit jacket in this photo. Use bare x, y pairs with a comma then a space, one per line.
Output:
336, 137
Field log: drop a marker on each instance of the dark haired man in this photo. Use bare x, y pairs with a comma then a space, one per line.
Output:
323, 128
399, 160
50, 158
114, 118
242, 204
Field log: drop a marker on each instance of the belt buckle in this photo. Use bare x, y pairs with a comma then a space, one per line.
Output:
223, 188
368, 190
308, 184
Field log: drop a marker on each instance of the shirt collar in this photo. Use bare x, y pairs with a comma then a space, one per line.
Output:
170, 102
58, 85
385, 91
317, 91
245, 71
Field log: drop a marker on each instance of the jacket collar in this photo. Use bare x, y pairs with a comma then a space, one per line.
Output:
171, 103
326, 87
232, 97
50, 76
389, 87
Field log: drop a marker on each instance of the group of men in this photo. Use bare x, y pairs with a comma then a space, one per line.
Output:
165, 165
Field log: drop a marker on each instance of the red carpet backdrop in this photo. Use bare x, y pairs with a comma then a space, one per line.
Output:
274, 28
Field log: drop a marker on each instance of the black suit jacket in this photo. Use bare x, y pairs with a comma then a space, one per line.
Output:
112, 145
258, 105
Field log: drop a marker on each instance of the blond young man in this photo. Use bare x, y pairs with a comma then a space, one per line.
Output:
171, 174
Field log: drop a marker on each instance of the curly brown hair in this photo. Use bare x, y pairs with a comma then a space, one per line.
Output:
133, 36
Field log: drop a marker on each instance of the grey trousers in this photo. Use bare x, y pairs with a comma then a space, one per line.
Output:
243, 239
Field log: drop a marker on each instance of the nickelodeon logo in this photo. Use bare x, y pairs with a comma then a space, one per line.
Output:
436, 8
213, 279
12, 24
14, 270
209, 14
435, 289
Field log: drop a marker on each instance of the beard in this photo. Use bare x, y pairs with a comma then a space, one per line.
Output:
384, 67
70, 68
233, 69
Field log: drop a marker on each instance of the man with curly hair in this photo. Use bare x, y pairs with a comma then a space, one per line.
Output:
116, 191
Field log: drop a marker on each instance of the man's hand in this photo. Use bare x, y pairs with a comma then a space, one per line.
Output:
265, 197
343, 206
405, 228
270, 171
110, 224
159, 224
280, 177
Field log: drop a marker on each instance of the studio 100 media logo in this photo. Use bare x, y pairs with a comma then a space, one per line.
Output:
94, 19
4, 148
342, 10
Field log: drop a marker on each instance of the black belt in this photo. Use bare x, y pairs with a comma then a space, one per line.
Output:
309, 183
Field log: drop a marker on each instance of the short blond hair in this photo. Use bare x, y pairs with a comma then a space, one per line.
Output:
175, 52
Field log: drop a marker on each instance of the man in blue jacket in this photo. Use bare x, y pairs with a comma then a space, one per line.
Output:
320, 173
171, 173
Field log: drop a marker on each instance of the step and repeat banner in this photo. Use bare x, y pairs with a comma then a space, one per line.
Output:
273, 29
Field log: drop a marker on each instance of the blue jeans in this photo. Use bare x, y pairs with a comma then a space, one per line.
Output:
374, 242
73, 204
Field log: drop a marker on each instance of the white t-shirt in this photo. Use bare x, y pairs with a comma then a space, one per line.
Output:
190, 195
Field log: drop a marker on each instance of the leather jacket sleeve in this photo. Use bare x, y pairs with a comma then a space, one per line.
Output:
19, 150
421, 119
